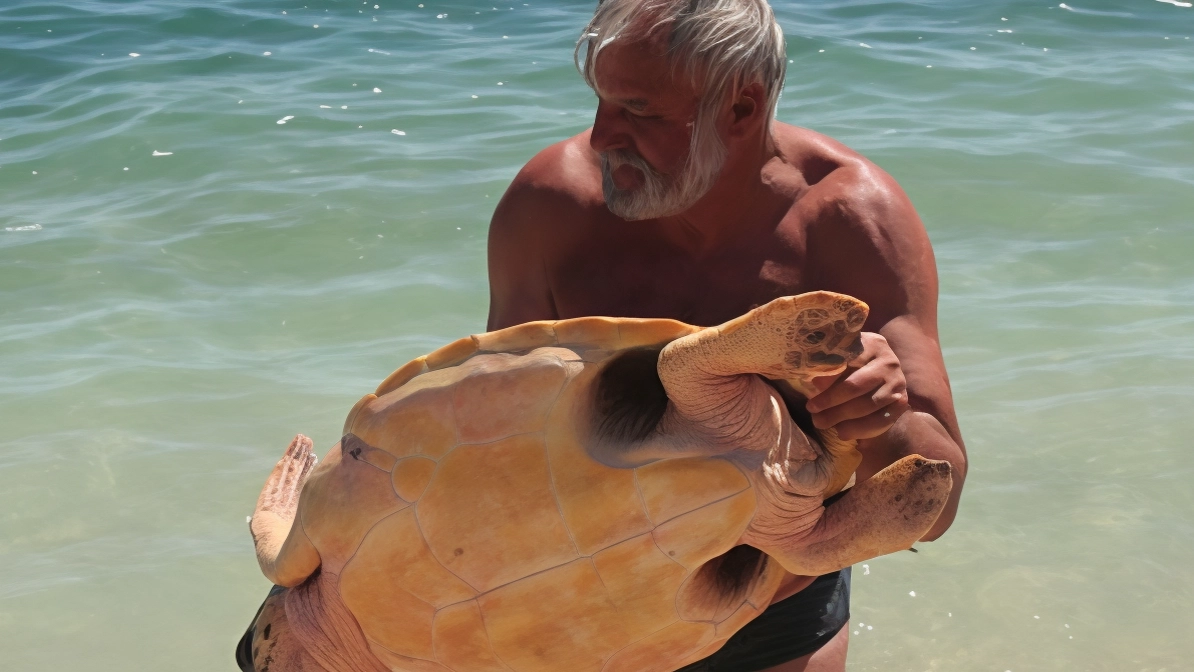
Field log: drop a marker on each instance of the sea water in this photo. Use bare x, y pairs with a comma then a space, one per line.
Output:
223, 222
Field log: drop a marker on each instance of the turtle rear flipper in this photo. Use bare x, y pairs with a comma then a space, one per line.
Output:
886, 513
284, 552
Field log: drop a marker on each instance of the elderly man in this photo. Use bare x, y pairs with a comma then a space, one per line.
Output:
687, 200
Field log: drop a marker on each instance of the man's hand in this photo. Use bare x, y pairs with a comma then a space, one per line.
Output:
867, 398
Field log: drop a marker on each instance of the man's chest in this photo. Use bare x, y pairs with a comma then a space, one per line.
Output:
642, 277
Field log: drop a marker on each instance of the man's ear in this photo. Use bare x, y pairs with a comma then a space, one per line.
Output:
748, 110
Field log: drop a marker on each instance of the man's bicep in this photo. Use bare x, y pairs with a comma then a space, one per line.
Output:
906, 311
884, 257
518, 287
909, 318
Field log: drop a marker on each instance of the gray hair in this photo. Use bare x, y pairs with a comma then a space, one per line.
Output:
719, 44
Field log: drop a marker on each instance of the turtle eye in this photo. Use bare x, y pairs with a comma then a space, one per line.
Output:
815, 337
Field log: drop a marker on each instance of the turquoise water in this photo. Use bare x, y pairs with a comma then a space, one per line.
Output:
168, 322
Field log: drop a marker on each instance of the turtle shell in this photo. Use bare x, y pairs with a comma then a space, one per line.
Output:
470, 530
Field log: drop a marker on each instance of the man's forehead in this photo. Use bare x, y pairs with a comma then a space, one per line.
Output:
637, 73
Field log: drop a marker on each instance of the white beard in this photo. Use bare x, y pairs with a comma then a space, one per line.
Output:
663, 195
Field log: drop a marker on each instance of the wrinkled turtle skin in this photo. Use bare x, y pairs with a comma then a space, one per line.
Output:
562, 496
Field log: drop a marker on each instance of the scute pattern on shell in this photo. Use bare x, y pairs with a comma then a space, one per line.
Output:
457, 574
600, 333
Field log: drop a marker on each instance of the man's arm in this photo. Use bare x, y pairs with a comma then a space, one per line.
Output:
873, 246
519, 290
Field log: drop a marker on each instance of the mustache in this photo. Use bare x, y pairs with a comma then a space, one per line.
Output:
616, 158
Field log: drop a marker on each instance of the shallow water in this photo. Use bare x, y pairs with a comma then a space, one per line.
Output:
168, 322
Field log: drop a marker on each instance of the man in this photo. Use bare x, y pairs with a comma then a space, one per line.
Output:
686, 200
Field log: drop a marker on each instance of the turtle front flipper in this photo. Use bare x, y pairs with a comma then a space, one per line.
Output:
286, 556
702, 394
792, 337
886, 513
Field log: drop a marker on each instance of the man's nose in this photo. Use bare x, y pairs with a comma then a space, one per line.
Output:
609, 129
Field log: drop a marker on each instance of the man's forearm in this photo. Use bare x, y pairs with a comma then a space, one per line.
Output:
918, 433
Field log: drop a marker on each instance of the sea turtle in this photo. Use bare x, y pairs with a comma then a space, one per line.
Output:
586, 494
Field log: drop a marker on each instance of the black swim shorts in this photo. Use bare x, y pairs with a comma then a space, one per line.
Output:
787, 630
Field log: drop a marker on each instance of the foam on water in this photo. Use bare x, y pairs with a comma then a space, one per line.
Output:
187, 282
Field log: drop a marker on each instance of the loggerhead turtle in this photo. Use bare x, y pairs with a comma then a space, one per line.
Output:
584, 494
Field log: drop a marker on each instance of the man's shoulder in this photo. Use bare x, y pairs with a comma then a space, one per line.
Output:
851, 191
563, 174
835, 173
555, 192
544, 213
869, 239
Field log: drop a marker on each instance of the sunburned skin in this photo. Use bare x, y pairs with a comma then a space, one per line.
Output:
792, 211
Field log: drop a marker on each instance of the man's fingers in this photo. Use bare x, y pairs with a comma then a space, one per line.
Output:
868, 399
881, 380
822, 383
891, 398
854, 385
873, 425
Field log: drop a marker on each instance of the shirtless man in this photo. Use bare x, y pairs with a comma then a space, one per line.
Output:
687, 200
